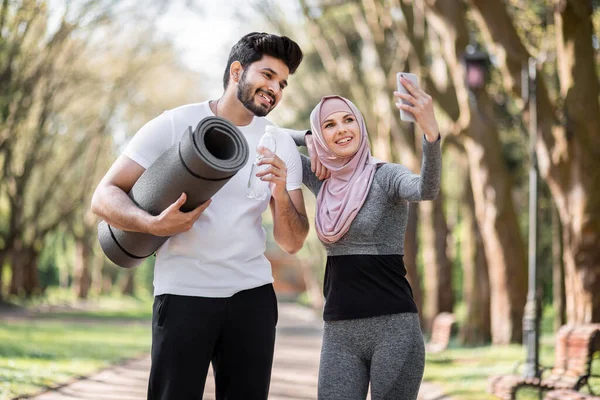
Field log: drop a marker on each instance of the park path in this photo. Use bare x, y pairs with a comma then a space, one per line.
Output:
294, 377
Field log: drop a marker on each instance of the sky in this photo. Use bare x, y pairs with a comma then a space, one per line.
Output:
205, 33
203, 38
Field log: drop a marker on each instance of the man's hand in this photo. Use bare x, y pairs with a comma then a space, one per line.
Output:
172, 220
319, 169
275, 173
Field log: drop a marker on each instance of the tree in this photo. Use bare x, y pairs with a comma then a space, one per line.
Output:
476, 328
477, 126
144, 76
568, 139
67, 88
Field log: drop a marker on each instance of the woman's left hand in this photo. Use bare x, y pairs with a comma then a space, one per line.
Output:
421, 106
321, 171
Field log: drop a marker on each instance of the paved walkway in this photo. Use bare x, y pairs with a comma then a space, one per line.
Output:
295, 368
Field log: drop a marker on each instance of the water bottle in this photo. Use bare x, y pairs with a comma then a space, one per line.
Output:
257, 188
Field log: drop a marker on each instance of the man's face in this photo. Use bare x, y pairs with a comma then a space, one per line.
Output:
261, 85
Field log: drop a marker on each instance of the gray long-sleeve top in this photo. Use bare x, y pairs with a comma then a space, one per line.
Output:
380, 225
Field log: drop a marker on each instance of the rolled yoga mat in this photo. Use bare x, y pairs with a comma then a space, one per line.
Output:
199, 165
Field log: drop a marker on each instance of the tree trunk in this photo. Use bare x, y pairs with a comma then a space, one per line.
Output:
31, 281
490, 180
408, 150
17, 273
476, 285
64, 273
499, 227
568, 157
16, 280
127, 287
82, 273
558, 273
2, 258
437, 267
411, 249
97, 275
107, 284
577, 189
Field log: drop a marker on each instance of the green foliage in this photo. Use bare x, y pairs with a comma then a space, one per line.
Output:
534, 22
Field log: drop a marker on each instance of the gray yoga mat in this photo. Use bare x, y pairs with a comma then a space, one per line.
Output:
199, 165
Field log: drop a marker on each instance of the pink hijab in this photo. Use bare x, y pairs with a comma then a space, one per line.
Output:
343, 194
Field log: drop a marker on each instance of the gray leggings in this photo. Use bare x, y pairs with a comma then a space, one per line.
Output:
388, 351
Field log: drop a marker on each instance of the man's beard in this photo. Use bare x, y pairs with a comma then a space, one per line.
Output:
245, 94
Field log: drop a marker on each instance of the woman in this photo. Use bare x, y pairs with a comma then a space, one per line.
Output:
372, 332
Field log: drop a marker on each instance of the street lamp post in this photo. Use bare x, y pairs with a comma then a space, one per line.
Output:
532, 314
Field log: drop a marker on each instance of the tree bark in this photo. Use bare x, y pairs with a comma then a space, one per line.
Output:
411, 236
31, 281
437, 266
25, 279
17, 274
107, 284
497, 219
568, 155
82, 273
476, 329
97, 272
411, 249
128, 285
2, 258
490, 180
558, 273
578, 192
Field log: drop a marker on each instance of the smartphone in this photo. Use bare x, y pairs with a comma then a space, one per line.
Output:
406, 115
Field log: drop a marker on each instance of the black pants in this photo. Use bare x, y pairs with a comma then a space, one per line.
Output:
237, 334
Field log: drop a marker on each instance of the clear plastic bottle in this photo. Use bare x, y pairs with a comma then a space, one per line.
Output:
257, 188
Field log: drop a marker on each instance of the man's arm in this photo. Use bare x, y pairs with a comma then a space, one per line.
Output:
290, 223
111, 203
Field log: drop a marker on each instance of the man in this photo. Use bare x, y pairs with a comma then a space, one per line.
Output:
214, 299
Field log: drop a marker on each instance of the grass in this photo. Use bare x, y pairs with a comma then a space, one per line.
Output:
463, 372
55, 347
115, 309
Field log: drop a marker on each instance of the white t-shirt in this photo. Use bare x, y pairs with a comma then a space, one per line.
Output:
223, 253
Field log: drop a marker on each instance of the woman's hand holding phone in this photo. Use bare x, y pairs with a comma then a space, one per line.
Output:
415, 105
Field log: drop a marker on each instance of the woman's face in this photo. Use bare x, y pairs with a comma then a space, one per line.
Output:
341, 133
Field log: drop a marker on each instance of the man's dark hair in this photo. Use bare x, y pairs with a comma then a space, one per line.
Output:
253, 46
